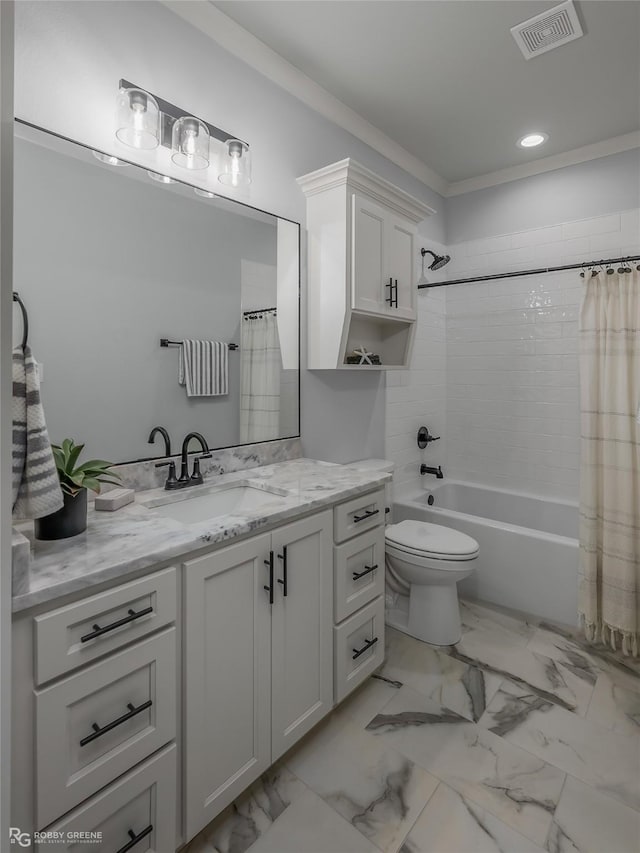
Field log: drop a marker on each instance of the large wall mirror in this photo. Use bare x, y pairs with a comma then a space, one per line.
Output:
109, 262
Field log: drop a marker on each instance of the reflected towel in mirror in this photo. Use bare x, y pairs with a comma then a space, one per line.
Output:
203, 368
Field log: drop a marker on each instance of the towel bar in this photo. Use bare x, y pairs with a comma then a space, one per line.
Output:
165, 342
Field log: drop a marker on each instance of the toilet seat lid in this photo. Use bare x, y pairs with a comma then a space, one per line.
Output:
422, 537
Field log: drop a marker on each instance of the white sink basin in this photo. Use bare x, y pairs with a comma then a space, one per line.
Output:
234, 499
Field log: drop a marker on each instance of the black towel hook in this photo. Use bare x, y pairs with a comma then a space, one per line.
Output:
25, 319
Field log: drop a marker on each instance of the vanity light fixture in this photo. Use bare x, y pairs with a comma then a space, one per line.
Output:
236, 165
138, 119
161, 179
108, 159
532, 140
145, 121
204, 193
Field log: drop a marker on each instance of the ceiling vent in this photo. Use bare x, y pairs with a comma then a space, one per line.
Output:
547, 31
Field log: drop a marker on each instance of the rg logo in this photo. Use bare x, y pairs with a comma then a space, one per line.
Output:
16, 836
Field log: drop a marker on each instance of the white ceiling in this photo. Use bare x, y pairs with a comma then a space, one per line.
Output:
445, 79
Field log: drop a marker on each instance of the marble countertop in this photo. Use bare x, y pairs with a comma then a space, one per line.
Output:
136, 537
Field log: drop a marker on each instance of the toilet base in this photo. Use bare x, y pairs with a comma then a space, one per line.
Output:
434, 615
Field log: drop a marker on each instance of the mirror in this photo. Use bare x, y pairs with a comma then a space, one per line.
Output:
108, 262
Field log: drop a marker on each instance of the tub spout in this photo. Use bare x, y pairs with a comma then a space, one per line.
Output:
426, 469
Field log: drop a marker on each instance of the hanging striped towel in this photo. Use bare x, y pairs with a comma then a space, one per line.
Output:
204, 368
36, 487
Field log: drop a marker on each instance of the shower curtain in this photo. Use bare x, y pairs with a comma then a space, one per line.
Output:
260, 380
609, 573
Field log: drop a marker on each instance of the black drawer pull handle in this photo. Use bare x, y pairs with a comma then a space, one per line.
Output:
98, 732
394, 295
367, 514
284, 580
367, 571
135, 838
269, 588
365, 648
389, 299
98, 631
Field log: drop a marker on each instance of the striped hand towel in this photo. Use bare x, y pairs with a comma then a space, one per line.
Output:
36, 487
204, 368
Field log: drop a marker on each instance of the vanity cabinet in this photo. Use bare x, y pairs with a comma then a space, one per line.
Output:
258, 658
363, 266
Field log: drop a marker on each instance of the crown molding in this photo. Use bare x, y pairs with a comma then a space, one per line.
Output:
361, 179
232, 37
615, 145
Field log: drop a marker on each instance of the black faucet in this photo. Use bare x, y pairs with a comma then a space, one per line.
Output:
426, 469
196, 477
163, 432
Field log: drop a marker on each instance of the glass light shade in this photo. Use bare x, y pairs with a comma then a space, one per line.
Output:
137, 119
190, 143
161, 179
204, 193
236, 164
108, 159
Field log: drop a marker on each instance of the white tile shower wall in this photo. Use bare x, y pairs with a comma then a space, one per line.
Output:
512, 407
417, 396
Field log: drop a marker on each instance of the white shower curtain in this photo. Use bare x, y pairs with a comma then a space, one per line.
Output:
609, 573
260, 382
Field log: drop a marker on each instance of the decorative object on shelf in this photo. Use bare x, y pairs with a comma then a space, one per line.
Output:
145, 121
71, 519
361, 355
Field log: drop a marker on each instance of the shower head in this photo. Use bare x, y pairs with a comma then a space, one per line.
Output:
438, 262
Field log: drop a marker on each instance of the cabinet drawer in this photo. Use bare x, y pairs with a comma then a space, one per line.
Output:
356, 656
357, 515
98, 723
359, 572
79, 633
142, 801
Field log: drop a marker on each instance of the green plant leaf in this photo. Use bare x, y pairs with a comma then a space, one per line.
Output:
95, 465
91, 483
74, 452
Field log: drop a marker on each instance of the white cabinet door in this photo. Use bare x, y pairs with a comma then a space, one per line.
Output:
301, 629
369, 277
227, 665
400, 266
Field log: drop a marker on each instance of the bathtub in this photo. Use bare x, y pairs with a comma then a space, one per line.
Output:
528, 545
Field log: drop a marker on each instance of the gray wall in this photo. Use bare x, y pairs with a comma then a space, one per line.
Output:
606, 185
71, 54
108, 265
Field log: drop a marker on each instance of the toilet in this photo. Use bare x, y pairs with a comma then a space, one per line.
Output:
430, 560
426, 561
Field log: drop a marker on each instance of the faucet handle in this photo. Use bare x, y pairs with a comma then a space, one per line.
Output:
171, 481
425, 437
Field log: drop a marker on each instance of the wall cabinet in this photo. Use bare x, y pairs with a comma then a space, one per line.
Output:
382, 256
258, 658
362, 267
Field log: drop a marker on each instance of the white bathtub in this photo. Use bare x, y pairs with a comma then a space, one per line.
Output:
528, 545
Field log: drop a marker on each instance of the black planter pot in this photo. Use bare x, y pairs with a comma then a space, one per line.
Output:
66, 522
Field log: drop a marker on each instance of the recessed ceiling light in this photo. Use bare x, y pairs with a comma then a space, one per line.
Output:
204, 193
531, 140
108, 159
161, 179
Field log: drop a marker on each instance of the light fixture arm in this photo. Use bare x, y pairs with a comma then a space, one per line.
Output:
169, 113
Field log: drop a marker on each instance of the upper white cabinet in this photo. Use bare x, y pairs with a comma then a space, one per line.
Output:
362, 267
382, 280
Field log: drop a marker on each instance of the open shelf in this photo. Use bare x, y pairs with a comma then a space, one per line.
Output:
389, 338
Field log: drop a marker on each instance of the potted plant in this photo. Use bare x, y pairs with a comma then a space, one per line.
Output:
74, 481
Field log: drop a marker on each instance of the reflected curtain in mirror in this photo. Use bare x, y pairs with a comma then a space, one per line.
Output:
260, 398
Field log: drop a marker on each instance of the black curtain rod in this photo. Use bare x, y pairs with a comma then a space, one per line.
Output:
258, 311
518, 273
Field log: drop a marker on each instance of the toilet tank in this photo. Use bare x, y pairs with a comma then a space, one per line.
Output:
378, 465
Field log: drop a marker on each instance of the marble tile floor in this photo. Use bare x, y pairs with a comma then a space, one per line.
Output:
521, 738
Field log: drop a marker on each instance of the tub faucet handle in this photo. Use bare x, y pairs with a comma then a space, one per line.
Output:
425, 437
